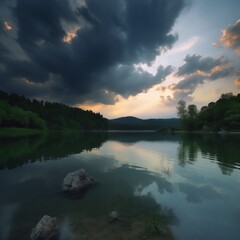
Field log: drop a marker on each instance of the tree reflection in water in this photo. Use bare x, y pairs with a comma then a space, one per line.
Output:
15, 152
222, 149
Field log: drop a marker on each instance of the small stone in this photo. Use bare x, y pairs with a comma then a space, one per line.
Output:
114, 215
47, 229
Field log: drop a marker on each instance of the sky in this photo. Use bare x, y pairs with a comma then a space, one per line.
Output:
122, 57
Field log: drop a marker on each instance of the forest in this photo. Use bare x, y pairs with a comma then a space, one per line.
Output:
222, 115
21, 112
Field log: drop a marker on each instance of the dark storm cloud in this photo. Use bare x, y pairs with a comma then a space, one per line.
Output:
127, 80
198, 69
190, 82
28, 70
112, 34
41, 20
196, 63
4, 53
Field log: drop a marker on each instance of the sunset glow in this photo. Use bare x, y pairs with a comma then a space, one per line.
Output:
231, 37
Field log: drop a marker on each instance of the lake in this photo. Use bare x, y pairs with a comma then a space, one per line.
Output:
190, 181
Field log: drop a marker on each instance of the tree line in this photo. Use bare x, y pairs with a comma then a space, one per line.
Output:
224, 114
19, 111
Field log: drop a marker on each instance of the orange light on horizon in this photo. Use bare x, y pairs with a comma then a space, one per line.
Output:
93, 107
237, 82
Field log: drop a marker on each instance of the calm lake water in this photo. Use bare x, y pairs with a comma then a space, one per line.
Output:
191, 180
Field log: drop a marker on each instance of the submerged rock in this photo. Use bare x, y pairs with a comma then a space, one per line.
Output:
78, 181
113, 216
47, 229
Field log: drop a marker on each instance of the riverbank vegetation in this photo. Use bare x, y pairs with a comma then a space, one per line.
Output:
222, 115
20, 112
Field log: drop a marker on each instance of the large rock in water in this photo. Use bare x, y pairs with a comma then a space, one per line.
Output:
46, 229
78, 181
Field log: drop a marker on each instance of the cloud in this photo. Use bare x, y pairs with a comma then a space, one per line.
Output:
237, 82
231, 37
196, 71
190, 82
7, 26
164, 55
199, 193
126, 80
71, 33
184, 46
196, 63
237, 78
74, 49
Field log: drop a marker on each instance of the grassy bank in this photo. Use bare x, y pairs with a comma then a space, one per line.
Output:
18, 132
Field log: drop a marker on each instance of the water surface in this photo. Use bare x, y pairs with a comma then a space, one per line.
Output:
193, 180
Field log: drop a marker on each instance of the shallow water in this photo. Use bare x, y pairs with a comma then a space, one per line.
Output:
192, 180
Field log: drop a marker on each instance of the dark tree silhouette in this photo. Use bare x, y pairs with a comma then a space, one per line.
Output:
18, 111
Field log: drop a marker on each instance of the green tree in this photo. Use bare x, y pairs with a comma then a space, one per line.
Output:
227, 95
192, 115
19, 117
35, 121
181, 109
3, 112
192, 111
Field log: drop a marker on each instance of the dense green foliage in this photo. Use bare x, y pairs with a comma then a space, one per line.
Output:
18, 111
11, 116
224, 114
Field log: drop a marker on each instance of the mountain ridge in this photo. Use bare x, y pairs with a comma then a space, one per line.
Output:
134, 123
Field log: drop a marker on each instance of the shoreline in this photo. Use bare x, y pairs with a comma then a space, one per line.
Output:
220, 133
22, 132
19, 132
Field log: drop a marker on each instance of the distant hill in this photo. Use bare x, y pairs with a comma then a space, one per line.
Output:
133, 123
